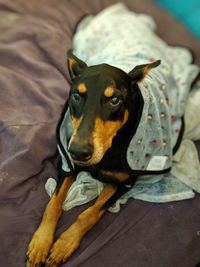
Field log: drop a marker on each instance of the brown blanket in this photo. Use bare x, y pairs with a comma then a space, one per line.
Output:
34, 85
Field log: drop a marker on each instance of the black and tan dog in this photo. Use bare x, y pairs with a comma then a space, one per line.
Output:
104, 105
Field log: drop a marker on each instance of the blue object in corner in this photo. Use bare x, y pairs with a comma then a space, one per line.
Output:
188, 12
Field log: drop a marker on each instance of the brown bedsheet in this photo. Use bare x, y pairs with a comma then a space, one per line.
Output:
34, 85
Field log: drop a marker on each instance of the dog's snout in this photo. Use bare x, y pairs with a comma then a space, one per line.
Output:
81, 152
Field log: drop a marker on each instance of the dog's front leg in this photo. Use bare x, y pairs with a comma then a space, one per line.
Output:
42, 239
69, 240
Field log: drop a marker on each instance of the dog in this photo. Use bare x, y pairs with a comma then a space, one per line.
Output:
105, 107
101, 111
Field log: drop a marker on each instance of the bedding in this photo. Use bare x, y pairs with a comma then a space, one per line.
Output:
34, 86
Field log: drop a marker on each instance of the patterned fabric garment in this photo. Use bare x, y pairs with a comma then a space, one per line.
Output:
124, 39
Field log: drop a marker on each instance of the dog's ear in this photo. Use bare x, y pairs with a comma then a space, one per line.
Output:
75, 65
139, 72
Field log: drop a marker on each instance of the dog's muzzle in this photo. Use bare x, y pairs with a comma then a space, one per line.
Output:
80, 152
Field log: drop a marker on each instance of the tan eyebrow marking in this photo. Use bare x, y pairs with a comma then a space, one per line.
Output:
82, 88
109, 91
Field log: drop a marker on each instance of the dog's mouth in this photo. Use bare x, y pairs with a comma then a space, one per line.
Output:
89, 162
82, 163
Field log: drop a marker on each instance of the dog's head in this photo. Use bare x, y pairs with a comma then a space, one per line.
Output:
98, 106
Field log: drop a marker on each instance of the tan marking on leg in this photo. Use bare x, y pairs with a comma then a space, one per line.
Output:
54, 207
109, 91
42, 239
70, 240
82, 88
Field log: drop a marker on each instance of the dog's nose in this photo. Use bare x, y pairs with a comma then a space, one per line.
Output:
81, 152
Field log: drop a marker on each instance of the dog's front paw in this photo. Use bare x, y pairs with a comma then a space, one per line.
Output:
39, 248
63, 248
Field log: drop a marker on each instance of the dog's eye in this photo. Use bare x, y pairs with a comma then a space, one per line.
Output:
76, 97
115, 101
